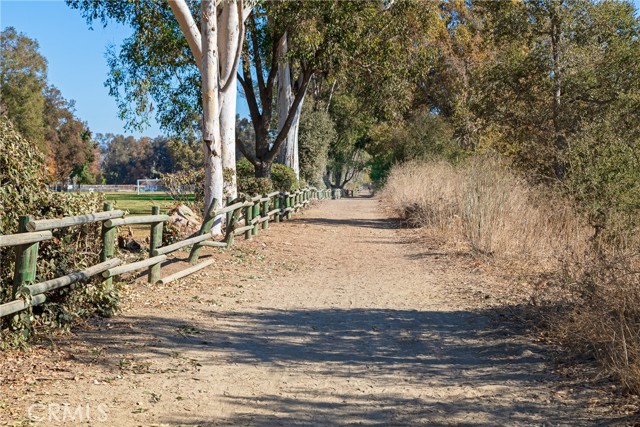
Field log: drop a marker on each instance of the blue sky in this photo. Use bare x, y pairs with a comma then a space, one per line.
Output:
76, 60
75, 56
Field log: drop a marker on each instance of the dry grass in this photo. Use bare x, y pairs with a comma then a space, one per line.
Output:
491, 209
604, 317
496, 213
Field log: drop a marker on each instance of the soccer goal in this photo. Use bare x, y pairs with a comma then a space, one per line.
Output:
148, 185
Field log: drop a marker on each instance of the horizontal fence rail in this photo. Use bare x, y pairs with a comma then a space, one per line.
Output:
24, 238
244, 215
50, 224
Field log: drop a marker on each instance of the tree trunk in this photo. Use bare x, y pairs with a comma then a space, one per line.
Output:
263, 169
210, 109
337, 178
228, 40
285, 98
559, 139
293, 134
288, 154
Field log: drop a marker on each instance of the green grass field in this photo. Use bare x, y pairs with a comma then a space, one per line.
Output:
138, 204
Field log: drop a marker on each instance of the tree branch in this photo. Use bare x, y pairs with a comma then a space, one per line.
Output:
189, 28
247, 86
273, 71
247, 10
236, 59
257, 60
282, 135
246, 151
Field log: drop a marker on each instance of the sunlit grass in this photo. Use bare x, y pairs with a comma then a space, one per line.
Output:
139, 204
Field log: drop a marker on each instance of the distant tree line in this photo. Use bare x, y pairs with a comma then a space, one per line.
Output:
40, 112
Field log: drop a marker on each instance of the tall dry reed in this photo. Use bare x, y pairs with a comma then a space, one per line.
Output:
486, 205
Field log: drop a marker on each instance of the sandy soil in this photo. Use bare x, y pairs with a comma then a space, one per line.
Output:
336, 318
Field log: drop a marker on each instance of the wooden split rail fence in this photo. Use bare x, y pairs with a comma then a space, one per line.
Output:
244, 215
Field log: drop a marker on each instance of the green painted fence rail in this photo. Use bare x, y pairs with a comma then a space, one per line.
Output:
243, 215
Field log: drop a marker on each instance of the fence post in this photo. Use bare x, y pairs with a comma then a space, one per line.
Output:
248, 216
229, 214
24, 272
276, 205
230, 229
265, 214
155, 241
288, 205
108, 236
26, 256
206, 226
256, 214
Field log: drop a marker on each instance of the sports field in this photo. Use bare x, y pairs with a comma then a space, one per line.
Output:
138, 204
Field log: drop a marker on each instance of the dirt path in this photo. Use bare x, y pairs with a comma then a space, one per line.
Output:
336, 318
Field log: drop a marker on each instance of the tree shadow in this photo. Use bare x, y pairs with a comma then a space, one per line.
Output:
421, 349
365, 223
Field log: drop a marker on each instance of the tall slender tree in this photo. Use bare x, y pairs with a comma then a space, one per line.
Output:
159, 64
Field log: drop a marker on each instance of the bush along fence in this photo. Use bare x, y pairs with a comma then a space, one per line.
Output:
244, 216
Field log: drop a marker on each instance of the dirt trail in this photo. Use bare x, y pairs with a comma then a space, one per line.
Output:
335, 318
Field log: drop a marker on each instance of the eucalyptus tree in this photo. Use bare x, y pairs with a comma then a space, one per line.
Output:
183, 70
289, 151
287, 44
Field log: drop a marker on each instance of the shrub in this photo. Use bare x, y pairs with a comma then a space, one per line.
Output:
181, 185
283, 178
23, 191
247, 181
603, 318
604, 177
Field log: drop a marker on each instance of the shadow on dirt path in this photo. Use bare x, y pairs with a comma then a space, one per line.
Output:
335, 318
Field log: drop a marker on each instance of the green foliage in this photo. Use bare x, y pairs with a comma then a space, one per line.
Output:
347, 156
21, 176
604, 176
284, 178
23, 76
422, 136
152, 71
317, 132
23, 191
247, 181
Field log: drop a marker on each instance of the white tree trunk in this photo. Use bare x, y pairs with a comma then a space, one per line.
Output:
288, 154
229, 38
189, 28
210, 109
293, 134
